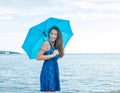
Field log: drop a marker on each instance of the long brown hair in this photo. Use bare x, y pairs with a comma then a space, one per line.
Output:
59, 41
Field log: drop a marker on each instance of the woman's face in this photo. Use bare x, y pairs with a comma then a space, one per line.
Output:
53, 35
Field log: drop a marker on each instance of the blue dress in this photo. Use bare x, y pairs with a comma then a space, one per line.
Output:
49, 78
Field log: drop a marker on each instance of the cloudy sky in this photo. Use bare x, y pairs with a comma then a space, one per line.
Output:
95, 23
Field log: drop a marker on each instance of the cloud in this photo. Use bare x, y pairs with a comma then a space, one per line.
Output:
5, 13
74, 10
21, 12
86, 8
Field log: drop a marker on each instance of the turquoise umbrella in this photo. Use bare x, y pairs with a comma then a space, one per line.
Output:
39, 33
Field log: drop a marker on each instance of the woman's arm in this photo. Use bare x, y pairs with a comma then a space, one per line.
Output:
45, 47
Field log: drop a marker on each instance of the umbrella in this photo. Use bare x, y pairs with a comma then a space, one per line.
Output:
39, 33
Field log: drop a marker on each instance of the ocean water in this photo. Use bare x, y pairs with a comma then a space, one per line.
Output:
79, 73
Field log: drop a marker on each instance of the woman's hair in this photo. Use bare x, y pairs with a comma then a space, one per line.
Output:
58, 42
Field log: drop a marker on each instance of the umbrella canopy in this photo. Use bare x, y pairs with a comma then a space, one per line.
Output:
39, 33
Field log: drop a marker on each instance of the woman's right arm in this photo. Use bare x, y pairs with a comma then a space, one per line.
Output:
45, 47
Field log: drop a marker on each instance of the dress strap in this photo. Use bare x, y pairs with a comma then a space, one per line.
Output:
50, 44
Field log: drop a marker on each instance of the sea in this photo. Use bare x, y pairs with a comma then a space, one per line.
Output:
79, 73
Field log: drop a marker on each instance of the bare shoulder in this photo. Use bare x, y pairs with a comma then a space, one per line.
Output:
45, 46
46, 43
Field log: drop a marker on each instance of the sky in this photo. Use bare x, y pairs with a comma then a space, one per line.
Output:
95, 23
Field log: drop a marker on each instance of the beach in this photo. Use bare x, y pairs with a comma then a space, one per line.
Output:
79, 73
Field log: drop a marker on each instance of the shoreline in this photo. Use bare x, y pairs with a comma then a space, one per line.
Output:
2, 52
7, 52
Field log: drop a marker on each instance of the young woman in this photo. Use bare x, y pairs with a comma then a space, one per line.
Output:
51, 50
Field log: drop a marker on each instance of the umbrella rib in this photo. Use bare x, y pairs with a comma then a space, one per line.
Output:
53, 25
63, 20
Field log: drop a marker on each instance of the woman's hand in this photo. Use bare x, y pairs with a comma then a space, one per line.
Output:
55, 53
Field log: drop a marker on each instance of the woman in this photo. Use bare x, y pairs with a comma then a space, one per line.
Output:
50, 51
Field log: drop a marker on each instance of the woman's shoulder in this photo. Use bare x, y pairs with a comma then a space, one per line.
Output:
46, 43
